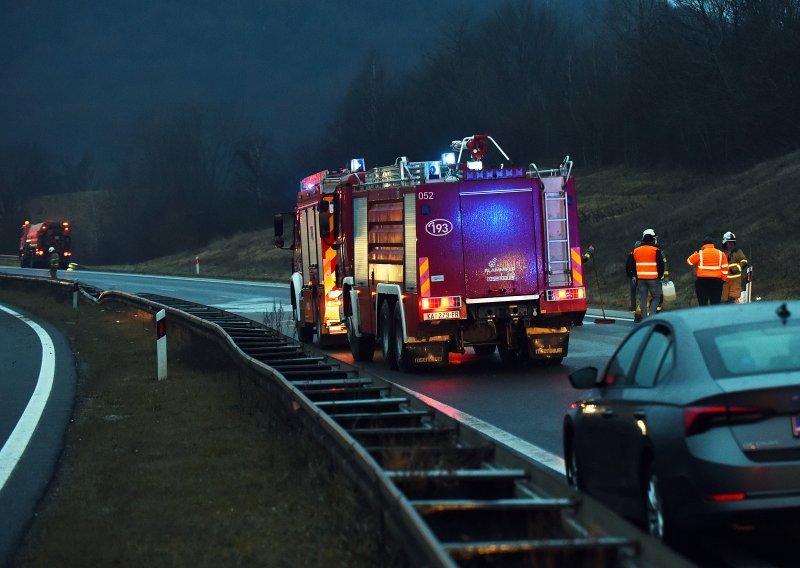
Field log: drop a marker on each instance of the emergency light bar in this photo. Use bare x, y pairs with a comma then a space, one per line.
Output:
357, 165
566, 294
449, 158
312, 180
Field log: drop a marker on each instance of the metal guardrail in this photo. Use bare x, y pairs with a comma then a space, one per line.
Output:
449, 494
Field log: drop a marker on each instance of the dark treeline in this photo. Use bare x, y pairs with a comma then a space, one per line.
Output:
691, 83
187, 174
672, 82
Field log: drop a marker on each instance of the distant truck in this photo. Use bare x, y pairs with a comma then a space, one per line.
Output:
37, 238
426, 258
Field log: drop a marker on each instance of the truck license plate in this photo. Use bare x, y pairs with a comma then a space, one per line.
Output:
452, 314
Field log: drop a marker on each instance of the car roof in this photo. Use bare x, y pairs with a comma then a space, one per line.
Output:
708, 317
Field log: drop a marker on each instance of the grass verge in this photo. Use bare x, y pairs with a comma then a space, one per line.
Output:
186, 471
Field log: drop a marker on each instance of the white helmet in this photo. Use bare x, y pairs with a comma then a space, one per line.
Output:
728, 237
51, 249
649, 236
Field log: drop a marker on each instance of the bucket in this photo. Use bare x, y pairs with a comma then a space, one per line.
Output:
668, 290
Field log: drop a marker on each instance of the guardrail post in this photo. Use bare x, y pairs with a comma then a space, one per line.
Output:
197, 265
75, 295
161, 344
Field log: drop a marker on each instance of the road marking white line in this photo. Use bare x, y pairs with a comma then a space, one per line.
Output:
17, 442
518, 444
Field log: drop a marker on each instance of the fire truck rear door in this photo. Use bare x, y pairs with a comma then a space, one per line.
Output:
499, 241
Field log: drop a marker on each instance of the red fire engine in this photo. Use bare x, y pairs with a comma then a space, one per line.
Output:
314, 293
36, 240
431, 257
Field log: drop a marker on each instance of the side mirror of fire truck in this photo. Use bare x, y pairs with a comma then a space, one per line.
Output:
324, 224
278, 220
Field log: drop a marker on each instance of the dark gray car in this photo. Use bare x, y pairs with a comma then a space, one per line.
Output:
695, 420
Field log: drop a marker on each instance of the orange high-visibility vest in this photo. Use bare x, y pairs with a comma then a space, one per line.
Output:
710, 263
646, 266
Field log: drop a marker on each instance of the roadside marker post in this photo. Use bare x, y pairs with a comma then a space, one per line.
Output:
161, 344
197, 265
75, 295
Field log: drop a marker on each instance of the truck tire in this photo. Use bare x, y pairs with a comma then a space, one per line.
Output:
362, 348
387, 335
403, 357
305, 333
484, 350
512, 357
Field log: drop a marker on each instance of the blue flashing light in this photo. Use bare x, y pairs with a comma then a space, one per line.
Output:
449, 158
357, 165
434, 169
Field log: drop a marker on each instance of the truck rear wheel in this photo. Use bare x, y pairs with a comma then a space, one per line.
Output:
513, 357
362, 348
484, 350
387, 336
404, 359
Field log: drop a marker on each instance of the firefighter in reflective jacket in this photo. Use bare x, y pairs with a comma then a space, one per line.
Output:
53, 262
649, 264
711, 270
737, 263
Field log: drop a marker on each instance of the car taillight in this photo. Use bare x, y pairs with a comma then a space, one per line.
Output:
724, 497
699, 419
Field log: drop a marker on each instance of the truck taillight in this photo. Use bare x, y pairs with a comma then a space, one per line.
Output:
566, 294
67, 253
441, 303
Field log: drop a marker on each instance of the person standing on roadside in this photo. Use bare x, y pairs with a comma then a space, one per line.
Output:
630, 271
53, 262
649, 270
711, 271
737, 263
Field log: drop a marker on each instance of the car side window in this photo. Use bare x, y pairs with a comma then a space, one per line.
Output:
667, 364
652, 357
619, 368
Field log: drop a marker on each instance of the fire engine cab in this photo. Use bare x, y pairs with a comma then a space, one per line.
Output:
428, 258
314, 293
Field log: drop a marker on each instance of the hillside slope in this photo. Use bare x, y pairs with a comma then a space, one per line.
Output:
760, 205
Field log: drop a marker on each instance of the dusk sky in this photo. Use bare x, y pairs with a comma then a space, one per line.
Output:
75, 75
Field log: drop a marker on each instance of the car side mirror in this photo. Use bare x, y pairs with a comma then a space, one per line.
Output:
585, 378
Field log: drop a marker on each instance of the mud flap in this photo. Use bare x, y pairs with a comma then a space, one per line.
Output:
547, 342
428, 354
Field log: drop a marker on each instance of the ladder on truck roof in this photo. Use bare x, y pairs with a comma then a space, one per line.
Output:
401, 173
557, 238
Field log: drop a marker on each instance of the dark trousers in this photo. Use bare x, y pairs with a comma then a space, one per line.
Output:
633, 293
709, 291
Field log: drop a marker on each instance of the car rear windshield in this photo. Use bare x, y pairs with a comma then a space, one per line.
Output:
751, 349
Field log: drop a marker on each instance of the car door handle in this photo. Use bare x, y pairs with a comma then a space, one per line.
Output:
608, 413
639, 414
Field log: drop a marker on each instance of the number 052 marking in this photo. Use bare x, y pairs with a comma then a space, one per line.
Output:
425, 196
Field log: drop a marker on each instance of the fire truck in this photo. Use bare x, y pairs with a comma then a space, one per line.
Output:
36, 240
429, 258
314, 293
